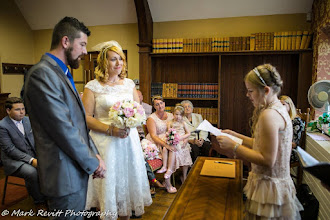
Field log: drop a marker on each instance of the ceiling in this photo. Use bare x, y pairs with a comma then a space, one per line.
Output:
44, 14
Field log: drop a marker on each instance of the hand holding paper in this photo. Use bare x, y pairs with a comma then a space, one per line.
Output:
207, 126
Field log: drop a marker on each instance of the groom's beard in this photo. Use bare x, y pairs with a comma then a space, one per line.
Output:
73, 63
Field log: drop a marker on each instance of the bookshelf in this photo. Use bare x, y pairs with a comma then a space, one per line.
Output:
228, 69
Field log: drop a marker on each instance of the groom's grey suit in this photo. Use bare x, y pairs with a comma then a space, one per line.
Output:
66, 153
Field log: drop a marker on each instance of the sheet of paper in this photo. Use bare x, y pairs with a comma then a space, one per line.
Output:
207, 126
306, 159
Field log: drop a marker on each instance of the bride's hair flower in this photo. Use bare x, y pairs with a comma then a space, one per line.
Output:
127, 114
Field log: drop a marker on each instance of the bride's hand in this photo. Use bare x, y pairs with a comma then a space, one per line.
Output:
121, 133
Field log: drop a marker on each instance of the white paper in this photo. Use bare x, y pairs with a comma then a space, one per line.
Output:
306, 159
207, 126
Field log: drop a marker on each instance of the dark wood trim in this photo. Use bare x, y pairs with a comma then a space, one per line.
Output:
3, 98
145, 25
15, 68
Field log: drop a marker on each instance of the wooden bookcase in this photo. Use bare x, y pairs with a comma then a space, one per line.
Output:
228, 70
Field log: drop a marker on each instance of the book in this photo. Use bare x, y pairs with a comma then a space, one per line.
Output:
304, 39
219, 168
298, 39
318, 169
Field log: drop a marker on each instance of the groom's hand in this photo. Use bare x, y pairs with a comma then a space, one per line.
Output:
101, 169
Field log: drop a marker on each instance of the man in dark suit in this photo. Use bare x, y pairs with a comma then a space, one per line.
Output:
67, 154
17, 148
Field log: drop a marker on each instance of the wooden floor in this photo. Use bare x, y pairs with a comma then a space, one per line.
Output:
156, 211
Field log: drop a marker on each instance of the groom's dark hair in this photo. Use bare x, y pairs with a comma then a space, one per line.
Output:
70, 27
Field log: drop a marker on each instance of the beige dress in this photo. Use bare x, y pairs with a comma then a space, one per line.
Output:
161, 126
182, 155
270, 192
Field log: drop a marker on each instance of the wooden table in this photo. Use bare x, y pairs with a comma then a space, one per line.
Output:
203, 197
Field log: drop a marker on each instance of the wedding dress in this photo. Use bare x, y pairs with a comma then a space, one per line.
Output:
125, 187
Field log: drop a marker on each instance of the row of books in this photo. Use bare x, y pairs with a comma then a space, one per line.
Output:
210, 114
287, 40
292, 40
185, 90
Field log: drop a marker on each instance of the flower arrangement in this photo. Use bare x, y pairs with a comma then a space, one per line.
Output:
150, 150
127, 114
172, 138
322, 124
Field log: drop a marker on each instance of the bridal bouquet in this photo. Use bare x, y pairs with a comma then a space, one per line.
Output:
127, 114
172, 138
150, 150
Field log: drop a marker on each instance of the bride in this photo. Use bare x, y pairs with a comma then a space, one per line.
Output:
125, 187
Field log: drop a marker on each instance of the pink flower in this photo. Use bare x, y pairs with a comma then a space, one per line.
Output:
116, 106
140, 110
172, 138
129, 112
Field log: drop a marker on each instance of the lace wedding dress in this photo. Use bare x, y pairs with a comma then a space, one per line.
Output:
125, 187
270, 191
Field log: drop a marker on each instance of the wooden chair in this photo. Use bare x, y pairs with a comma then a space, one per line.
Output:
5, 188
306, 118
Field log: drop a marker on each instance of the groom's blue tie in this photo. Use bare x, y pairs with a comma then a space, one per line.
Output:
71, 79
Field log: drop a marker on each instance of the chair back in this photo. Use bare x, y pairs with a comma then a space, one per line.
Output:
306, 118
145, 129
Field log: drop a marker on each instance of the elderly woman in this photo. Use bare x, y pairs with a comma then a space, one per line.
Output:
199, 143
157, 127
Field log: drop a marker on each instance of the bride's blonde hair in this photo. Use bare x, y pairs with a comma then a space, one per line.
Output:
101, 70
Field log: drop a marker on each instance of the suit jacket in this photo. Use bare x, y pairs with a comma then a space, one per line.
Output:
66, 153
196, 120
16, 149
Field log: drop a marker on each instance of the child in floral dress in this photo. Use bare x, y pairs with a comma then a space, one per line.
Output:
182, 155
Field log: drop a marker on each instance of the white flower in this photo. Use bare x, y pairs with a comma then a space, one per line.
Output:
132, 122
118, 122
127, 105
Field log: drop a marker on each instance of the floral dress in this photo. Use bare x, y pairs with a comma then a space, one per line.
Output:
298, 127
270, 192
182, 155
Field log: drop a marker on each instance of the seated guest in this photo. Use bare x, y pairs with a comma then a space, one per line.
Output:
199, 143
146, 106
157, 127
18, 153
297, 124
147, 109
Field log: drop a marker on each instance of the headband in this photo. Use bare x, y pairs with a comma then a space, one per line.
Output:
255, 70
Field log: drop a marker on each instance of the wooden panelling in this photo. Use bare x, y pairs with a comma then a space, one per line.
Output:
235, 108
190, 69
228, 70
3, 98
318, 150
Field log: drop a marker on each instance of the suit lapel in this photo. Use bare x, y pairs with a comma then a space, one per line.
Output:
65, 79
28, 130
14, 127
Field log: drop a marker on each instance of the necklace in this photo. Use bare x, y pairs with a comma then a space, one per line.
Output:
272, 103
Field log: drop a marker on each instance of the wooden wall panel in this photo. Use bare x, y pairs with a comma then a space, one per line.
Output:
235, 108
190, 69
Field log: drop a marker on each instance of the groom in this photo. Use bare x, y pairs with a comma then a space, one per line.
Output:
67, 154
